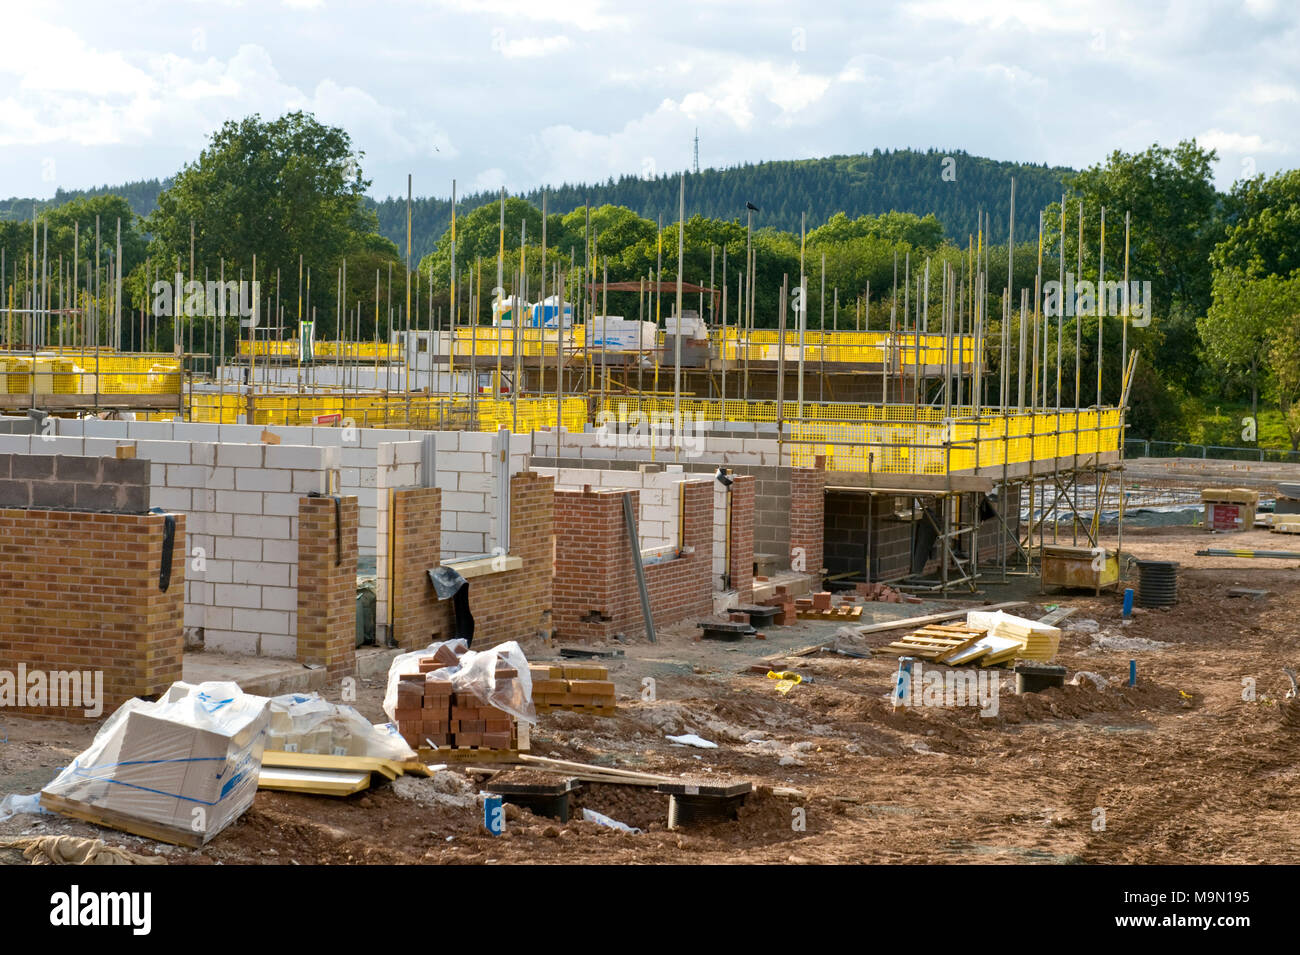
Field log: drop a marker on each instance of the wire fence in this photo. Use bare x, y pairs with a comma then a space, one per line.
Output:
1142, 448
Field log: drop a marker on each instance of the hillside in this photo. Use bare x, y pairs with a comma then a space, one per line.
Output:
902, 180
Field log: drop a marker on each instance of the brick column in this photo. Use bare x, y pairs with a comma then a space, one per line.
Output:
807, 518
327, 585
79, 595
513, 604
591, 551
417, 548
740, 562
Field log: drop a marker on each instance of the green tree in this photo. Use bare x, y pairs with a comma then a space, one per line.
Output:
1242, 324
1263, 236
281, 189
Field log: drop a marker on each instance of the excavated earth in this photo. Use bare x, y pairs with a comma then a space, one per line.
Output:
1194, 764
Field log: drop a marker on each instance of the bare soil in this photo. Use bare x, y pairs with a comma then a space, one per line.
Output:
1184, 767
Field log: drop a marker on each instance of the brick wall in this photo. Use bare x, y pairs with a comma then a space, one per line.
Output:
79, 591
807, 517
74, 482
417, 535
511, 604
596, 594
327, 573
740, 559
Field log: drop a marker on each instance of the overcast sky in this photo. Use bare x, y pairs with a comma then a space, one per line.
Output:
525, 92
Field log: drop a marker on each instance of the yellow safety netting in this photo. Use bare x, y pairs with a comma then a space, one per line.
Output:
902, 439
64, 371
378, 410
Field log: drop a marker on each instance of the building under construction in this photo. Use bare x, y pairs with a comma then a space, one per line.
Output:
945, 452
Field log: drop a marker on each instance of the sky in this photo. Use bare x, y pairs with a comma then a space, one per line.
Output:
520, 93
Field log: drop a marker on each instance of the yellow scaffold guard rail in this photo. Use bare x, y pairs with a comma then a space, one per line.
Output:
65, 371
902, 439
378, 410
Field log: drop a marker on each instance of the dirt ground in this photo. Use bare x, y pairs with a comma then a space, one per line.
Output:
1182, 768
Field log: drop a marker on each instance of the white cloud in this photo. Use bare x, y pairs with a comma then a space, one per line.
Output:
532, 46
523, 92
1239, 143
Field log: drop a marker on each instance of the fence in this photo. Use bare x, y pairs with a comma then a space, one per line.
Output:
1142, 448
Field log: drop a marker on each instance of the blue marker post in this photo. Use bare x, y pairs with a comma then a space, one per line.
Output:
903, 682
1132, 673
494, 815
1128, 603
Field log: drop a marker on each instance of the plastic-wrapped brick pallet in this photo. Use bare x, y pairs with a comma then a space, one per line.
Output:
180, 769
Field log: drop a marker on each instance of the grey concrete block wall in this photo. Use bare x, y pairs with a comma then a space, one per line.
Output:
17, 425
74, 483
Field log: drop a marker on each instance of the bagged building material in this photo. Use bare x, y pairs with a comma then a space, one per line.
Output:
308, 723
178, 770
499, 676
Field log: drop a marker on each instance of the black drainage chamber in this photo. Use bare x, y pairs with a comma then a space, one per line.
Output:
1158, 583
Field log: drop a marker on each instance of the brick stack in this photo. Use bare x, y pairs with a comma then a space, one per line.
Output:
583, 688
478, 725
430, 712
785, 605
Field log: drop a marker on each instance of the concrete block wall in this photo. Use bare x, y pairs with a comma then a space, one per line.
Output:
74, 482
243, 502
80, 592
888, 544
241, 534
359, 450
466, 473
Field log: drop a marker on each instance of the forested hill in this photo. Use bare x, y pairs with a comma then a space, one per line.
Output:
142, 196
901, 180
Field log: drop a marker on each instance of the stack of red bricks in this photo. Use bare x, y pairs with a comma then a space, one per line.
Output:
430, 713
479, 725
785, 605
884, 594
583, 688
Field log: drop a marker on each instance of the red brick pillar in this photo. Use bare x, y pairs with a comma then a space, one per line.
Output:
740, 559
417, 549
807, 518
327, 584
591, 557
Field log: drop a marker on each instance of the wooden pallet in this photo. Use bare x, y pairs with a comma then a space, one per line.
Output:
835, 613
585, 708
467, 754
934, 643
112, 819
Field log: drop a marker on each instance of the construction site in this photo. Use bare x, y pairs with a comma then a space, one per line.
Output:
708, 586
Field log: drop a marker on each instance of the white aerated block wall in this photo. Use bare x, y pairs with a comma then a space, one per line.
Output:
466, 466
241, 507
